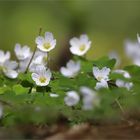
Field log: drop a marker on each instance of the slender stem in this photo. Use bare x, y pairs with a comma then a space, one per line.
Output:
120, 106
40, 30
5, 103
48, 60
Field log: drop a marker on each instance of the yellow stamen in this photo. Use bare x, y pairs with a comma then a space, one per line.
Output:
42, 79
82, 47
47, 45
99, 78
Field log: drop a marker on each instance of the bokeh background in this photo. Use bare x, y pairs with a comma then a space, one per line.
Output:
107, 22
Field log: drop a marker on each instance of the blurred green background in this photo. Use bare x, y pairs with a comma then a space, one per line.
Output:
107, 22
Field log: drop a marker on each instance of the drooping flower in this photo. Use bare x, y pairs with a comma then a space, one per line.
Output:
102, 76
72, 98
123, 72
8, 69
4, 57
22, 53
132, 50
138, 37
41, 76
71, 70
121, 83
90, 98
79, 46
46, 44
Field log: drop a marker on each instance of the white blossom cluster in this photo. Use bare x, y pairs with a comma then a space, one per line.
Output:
36, 63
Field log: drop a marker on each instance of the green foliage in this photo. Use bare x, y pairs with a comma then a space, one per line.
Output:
24, 102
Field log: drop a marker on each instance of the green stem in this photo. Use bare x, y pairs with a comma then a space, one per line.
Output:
48, 61
33, 53
120, 106
44, 90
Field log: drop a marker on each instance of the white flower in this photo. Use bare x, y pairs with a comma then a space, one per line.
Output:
4, 57
79, 46
138, 37
41, 76
132, 50
22, 53
123, 72
102, 84
72, 98
121, 83
46, 44
23, 65
101, 74
54, 95
1, 110
9, 69
89, 98
71, 70
40, 58
114, 55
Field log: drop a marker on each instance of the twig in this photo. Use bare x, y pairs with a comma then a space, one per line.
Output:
40, 30
120, 106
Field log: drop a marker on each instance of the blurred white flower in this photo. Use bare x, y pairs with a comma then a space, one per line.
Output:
90, 98
1, 110
102, 84
132, 50
54, 95
138, 37
4, 57
114, 55
71, 70
40, 58
46, 44
22, 53
72, 98
123, 72
102, 75
121, 83
23, 65
41, 76
9, 69
79, 46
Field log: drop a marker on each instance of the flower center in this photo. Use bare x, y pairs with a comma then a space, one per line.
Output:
82, 47
42, 79
47, 45
99, 78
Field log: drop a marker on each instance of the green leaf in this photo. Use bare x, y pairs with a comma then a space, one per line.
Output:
18, 89
105, 62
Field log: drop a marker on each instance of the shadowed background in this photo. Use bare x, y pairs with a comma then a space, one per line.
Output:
107, 23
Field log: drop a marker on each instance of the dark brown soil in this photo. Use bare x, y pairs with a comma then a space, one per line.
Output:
125, 130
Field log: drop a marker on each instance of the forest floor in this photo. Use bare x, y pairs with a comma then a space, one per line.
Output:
124, 130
